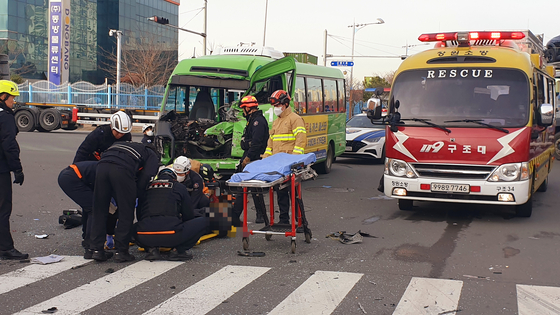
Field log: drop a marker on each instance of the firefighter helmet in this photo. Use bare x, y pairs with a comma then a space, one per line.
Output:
182, 165
10, 87
279, 97
248, 101
121, 122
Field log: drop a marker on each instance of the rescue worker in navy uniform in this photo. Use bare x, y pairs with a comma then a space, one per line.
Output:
123, 171
193, 181
9, 162
148, 132
103, 137
166, 219
254, 140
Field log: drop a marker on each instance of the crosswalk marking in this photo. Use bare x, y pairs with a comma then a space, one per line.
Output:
430, 296
210, 292
537, 300
35, 272
320, 294
102, 289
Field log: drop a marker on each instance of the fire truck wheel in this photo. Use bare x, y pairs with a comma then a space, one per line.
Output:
405, 204
525, 210
24, 121
544, 186
557, 146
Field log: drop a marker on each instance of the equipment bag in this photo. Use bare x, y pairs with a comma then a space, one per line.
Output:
70, 218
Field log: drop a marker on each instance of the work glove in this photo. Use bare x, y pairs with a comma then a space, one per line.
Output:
244, 163
18, 177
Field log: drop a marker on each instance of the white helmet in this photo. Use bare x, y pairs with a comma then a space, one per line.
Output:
121, 122
182, 165
146, 126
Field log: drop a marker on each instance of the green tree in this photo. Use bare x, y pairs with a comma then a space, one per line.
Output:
374, 82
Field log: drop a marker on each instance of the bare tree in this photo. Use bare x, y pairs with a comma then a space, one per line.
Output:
19, 67
143, 62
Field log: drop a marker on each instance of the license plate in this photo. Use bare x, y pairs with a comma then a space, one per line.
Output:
348, 148
453, 188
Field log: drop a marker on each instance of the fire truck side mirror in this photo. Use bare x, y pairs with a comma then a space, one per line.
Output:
546, 113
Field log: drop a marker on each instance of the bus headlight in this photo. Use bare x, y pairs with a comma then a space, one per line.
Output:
399, 168
510, 172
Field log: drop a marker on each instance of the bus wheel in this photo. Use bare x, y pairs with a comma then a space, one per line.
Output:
405, 204
544, 186
25, 121
557, 146
49, 119
325, 167
525, 210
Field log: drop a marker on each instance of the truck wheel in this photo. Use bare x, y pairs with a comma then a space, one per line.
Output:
525, 210
49, 119
25, 121
405, 204
557, 146
325, 166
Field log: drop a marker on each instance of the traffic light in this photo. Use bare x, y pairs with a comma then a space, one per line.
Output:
161, 20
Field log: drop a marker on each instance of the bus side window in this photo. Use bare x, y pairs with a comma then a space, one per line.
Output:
330, 95
314, 96
300, 100
341, 96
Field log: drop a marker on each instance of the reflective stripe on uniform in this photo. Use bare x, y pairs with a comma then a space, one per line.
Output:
156, 233
268, 151
299, 130
283, 137
298, 150
75, 168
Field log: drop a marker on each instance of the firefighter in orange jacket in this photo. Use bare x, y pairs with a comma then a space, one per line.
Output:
287, 135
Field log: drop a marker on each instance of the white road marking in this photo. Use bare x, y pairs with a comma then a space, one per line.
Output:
320, 294
210, 292
537, 300
103, 289
430, 297
36, 272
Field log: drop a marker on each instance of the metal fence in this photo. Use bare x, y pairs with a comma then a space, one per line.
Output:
91, 95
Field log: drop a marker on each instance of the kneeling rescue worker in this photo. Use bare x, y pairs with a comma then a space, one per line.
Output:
166, 219
192, 180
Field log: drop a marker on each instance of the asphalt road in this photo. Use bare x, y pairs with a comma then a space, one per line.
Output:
437, 259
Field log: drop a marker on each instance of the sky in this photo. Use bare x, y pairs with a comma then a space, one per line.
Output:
299, 26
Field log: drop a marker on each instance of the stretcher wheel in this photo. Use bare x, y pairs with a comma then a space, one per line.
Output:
294, 247
268, 237
245, 243
308, 238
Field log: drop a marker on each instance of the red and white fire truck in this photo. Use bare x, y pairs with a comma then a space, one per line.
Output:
471, 121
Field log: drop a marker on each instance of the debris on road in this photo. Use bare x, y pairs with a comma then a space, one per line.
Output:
41, 236
251, 254
50, 310
346, 238
476, 277
371, 220
362, 308
47, 259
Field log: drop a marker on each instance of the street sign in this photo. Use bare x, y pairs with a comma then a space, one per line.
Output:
342, 63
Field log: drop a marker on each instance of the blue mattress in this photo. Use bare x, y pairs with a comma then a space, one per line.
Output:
272, 167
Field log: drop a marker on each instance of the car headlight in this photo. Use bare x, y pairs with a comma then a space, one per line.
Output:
510, 172
372, 140
398, 168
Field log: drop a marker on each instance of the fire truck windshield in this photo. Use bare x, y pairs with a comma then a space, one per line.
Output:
495, 96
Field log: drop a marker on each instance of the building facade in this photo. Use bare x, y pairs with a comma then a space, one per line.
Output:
24, 34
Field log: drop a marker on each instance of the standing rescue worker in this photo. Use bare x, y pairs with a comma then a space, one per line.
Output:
124, 170
148, 131
103, 137
193, 181
255, 137
166, 219
9, 162
288, 135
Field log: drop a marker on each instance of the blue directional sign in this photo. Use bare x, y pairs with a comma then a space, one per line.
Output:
342, 63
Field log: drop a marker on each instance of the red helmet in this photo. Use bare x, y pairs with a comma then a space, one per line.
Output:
249, 101
279, 97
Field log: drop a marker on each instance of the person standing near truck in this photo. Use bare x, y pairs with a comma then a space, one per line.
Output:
9, 162
103, 137
255, 137
288, 135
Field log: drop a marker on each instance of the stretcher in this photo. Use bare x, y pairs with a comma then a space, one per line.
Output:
291, 178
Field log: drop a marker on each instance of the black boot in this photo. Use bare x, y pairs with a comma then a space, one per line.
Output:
123, 256
100, 255
260, 218
153, 254
180, 255
13, 254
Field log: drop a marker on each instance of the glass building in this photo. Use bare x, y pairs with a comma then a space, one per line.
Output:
24, 34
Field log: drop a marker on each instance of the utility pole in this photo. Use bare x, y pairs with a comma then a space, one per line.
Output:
118, 35
265, 16
205, 24
325, 51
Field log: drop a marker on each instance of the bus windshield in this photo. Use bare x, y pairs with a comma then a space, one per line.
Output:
498, 97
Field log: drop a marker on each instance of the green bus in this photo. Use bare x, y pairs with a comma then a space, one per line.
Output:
200, 117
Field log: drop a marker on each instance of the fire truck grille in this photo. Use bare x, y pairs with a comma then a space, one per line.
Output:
453, 171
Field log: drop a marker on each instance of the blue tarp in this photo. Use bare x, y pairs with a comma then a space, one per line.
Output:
272, 168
